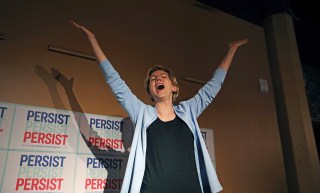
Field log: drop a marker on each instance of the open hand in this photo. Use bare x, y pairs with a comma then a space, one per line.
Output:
238, 43
82, 28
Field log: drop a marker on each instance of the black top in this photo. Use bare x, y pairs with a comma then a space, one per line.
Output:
170, 160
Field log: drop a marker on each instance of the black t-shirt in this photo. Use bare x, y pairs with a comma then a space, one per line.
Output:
170, 160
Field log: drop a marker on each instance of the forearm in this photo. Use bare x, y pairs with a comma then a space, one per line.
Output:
100, 56
233, 46
227, 60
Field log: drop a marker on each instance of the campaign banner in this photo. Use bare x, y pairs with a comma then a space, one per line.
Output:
101, 133
207, 135
44, 129
102, 173
50, 150
6, 115
32, 172
105, 134
2, 160
3, 155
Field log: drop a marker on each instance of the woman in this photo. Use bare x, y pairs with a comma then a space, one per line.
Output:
168, 153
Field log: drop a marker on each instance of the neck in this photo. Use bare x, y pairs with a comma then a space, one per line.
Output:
165, 111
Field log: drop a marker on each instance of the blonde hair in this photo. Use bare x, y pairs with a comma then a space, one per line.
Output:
171, 77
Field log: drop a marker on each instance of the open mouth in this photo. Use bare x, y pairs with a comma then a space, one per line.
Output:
160, 87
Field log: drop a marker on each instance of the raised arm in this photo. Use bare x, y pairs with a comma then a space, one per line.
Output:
93, 41
233, 46
120, 89
209, 91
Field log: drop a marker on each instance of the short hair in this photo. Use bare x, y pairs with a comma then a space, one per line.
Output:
171, 77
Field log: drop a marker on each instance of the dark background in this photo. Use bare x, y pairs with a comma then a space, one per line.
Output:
304, 14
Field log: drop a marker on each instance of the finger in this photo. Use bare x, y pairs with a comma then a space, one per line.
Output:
75, 24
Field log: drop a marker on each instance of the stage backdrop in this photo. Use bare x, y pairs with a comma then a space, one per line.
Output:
58, 151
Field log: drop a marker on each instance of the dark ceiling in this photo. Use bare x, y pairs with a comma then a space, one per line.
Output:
304, 13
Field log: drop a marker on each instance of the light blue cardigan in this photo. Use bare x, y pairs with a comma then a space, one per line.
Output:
142, 115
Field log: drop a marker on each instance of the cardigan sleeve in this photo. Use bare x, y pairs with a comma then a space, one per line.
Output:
207, 93
122, 92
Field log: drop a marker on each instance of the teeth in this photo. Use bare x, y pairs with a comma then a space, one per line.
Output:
160, 87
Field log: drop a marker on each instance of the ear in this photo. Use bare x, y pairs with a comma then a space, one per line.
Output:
174, 88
